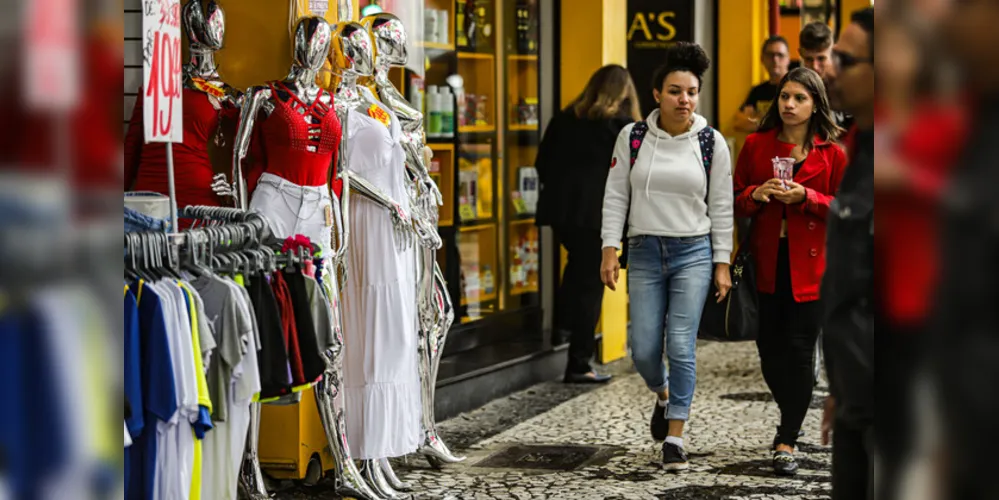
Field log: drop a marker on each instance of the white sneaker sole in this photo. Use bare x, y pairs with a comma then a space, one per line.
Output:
676, 467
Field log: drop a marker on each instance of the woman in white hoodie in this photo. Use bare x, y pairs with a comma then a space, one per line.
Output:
670, 186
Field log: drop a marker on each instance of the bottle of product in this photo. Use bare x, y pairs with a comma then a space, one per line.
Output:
488, 281
442, 27
433, 112
447, 113
430, 25
461, 16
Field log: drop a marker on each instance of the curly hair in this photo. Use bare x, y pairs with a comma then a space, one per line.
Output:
682, 56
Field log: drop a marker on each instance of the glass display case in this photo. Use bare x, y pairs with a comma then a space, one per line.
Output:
480, 96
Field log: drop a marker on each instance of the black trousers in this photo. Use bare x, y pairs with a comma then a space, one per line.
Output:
580, 296
852, 467
899, 358
789, 331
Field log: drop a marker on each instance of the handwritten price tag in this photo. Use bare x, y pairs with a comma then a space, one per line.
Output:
518, 203
466, 212
161, 74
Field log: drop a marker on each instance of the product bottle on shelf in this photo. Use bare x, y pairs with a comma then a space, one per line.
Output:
447, 112
442, 28
461, 17
488, 281
433, 112
430, 26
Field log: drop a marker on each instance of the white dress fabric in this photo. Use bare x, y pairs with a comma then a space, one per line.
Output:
381, 378
291, 209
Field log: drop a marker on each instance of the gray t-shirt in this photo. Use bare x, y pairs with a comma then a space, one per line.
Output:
232, 332
320, 314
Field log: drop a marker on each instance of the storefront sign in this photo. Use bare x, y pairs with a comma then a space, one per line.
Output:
653, 26
161, 74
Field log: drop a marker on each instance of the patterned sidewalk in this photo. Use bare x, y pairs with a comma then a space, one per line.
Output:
515, 445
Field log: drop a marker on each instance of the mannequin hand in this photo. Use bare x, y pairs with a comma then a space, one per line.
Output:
434, 192
403, 225
610, 268
428, 154
767, 189
221, 186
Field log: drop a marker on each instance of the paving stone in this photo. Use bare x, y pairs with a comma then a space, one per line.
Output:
732, 424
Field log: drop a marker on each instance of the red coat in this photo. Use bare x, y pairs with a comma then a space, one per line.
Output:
806, 221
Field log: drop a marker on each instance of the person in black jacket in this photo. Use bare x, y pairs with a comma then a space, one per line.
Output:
848, 286
573, 160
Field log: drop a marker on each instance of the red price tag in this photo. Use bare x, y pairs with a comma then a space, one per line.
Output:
161, 75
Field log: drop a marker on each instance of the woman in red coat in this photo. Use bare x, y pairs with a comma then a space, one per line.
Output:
788, 241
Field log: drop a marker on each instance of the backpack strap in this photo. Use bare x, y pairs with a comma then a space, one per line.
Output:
706, 138
637, 136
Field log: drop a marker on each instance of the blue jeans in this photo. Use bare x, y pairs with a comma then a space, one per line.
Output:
668, 281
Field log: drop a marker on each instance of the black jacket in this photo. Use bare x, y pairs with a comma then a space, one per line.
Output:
848, 289
573, 161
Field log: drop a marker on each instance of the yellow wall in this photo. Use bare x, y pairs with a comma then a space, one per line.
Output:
742, 27
848, 7
257, 41
593, 34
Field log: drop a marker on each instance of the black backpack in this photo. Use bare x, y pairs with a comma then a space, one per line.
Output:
706, 138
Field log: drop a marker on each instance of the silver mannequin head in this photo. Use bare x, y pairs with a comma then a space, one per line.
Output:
389, 35
205, 26
353, 51
311, 43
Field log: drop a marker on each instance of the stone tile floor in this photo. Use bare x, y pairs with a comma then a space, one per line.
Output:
732, 426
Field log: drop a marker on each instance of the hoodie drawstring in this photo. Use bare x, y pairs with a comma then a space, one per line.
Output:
652, 161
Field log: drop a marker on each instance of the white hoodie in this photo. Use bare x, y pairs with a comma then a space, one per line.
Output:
666, 189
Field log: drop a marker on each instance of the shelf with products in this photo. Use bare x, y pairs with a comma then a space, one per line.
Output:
475, 25
438, 25
524, 258
441, 170
476, 182
476, 99
522, 90
478, 280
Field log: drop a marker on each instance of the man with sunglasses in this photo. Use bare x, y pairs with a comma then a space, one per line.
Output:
847, 289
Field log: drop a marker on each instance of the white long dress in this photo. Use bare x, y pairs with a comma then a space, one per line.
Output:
381, 378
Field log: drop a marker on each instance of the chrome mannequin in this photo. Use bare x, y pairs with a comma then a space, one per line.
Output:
432, 296
352, 57
205, 31
205, 28
312, 38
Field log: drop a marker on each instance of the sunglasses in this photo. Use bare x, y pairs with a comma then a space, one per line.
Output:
845, 61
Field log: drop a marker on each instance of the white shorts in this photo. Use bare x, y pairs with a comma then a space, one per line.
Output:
292, 209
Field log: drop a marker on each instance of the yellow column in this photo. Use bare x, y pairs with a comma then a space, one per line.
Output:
848, 7
742, 27
594, 33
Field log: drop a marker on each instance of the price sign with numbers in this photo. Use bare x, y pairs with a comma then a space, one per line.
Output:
161, 74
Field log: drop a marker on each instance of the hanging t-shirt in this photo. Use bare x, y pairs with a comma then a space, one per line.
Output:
230, 330
176, 449
313, 364
159, 397
132, 376
321, 314
223, 447
275, 372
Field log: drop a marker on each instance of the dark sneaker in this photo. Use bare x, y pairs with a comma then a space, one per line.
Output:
659, 425
674, 458
785, 464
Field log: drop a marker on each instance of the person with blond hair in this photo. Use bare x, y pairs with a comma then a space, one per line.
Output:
573, 163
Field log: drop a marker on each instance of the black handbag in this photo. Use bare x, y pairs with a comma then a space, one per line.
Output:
737, 318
